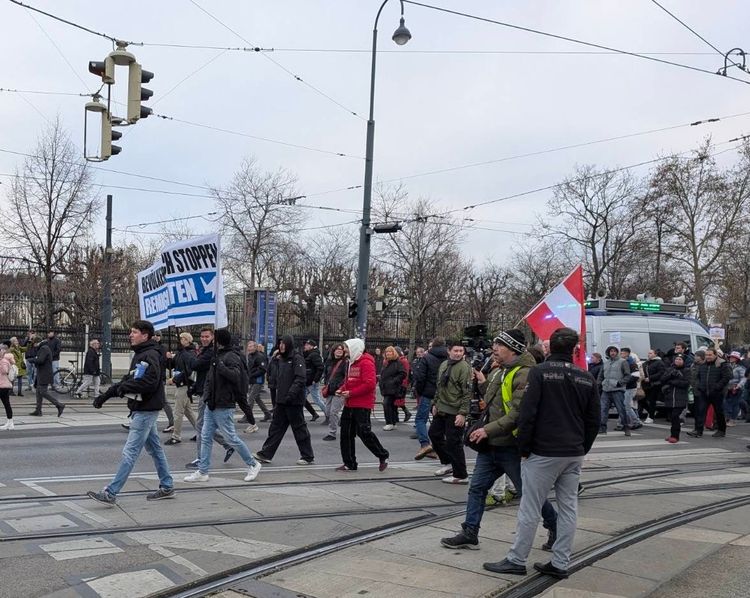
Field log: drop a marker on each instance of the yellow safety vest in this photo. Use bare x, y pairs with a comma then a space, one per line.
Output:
507, 391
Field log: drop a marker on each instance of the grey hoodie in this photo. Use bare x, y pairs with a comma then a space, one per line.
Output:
614, 373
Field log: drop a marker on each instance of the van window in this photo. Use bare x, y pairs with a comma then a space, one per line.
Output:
702, 341
665, 341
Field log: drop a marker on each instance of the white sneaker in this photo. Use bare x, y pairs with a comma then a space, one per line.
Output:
8, 425
196, 476
648, 420
251, 428
451, 480
304, 462
444, 470
388, 427
253, 472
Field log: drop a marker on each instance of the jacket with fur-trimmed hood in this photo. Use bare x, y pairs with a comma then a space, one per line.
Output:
361, 379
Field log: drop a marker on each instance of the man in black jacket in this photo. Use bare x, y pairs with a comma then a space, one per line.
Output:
557, 426
290, 400
425, 386
257, 365
55, 347
92, 371
711, 383
653, 370
201, 365
43, 363
314, 372
226, 384
143, 387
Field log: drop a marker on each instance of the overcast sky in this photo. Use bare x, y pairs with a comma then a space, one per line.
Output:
460, 92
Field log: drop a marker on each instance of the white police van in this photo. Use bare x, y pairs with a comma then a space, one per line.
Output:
641, 326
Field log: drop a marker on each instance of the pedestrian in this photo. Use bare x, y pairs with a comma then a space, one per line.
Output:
613, 376
28, 345
226, 384
201, 365
143, 387
425, 386
595, 365
496, 440
631, 388
449, 410
332, 380
400, 402
675, 383
734, 392
391, 381
653, 371
7, 361
19, 355
557, 426
167, 407
290, 378
711, 383
272, 373
92, 370
181, 364
44, 377
55, 347
314, 372
358, 392
257, 366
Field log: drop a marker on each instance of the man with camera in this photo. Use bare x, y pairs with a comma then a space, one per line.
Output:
494, 437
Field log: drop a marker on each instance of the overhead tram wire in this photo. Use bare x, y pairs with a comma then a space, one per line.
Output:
71, 23
572, 40
278, 64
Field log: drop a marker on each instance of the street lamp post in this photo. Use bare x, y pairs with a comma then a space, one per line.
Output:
400, 36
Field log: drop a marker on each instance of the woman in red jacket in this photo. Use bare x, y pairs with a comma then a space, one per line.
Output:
359, 398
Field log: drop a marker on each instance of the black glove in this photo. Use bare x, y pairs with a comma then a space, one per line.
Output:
99, 401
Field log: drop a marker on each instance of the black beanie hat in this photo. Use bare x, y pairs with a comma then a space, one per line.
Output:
514, 339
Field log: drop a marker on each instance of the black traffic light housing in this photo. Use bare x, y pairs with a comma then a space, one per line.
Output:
352, 309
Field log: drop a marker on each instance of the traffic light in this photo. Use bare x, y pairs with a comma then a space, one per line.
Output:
104, 69
353, 309
108, 136
137, 93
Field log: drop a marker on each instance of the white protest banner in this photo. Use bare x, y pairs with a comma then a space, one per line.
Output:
153, 295
188, 277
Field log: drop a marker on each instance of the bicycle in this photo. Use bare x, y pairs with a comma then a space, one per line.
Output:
70, 378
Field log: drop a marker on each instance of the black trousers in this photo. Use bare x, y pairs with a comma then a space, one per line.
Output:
5, 398
285, 416
390, 410
674, 418
42, 392
701, 406
447, 440
652, 394
247, 409
272, 391
355, 421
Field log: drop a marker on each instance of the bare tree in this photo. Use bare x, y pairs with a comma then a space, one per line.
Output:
51, 206
424, 255
594, 213
255, 218
706, 209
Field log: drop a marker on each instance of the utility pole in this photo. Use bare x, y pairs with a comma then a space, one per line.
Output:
107, 299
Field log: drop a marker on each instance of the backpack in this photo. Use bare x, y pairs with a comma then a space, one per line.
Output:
13, 372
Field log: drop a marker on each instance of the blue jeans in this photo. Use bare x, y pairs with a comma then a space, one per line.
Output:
142, 432
616, 397
314, 390
488, 468
223, 420
199, 431
732, 405
423, 415
56, 370
31, 373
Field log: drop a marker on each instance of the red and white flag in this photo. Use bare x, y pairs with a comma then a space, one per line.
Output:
562, 307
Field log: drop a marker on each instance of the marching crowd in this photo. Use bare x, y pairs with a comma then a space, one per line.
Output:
529, 413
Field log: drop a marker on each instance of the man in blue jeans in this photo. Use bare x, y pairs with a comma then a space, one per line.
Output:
504, 391
143, 387
226, 384
425, 386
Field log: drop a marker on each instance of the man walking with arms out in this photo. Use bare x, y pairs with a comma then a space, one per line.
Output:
557, 426
144, 388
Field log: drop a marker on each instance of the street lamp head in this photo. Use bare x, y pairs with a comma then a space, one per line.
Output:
402, 34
